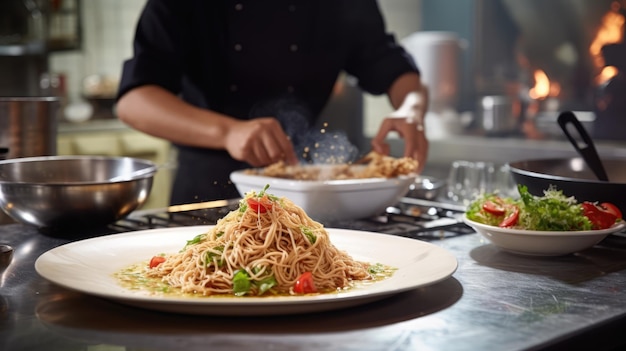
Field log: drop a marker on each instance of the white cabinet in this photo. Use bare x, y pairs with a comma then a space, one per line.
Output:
112, 138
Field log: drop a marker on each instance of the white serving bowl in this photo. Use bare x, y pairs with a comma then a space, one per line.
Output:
328, 200
541, 243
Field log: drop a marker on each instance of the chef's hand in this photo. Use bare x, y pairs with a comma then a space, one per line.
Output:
259, 142
408, 122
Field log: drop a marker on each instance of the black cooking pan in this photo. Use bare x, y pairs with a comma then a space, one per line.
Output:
577, 176
574, 178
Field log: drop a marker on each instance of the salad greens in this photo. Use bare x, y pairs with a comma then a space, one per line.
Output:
551, 212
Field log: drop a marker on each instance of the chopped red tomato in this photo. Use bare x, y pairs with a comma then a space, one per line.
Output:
494, 208
511, 219
600, 217
156, 260
497, 207
260, 205
304, 284
609, 207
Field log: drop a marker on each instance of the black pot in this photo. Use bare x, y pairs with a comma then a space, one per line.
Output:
574, 178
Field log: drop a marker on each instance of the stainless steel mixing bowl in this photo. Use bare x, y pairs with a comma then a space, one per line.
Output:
64, 192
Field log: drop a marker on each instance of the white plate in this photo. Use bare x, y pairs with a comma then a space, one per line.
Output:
327, 200
541, 243
88, 266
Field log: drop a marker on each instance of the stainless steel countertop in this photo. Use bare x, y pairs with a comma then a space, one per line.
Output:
501, 150
494, 301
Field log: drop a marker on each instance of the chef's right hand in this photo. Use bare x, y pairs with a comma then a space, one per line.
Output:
259, 142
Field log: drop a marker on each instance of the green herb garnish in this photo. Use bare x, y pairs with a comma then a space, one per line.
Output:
198, 238
309, 234
241, 282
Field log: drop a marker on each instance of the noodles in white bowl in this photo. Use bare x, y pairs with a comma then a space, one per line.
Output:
332, 192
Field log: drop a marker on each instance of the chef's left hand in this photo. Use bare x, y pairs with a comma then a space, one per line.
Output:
408, 122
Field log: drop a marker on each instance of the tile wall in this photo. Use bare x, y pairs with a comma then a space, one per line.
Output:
107, 29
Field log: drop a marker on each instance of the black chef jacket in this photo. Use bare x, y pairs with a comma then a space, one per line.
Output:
252, 58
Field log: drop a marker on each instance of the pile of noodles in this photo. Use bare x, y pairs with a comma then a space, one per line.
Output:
373, 165
282, 242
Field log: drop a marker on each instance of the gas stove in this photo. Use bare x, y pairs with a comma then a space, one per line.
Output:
410, 217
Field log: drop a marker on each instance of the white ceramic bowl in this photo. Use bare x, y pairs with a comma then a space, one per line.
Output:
329, 200
541, 243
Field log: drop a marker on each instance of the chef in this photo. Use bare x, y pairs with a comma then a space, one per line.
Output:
221, 79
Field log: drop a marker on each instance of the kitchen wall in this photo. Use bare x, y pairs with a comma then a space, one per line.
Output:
402, 17
492, 29
108, 28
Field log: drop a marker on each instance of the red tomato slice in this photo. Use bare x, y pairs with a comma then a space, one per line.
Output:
156, 260
614, 210
493, 208
511, 219
304, 284
260, 205
599, 217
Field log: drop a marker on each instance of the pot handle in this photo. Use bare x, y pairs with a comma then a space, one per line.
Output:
587, 150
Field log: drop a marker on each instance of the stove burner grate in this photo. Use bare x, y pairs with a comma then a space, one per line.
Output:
411, 218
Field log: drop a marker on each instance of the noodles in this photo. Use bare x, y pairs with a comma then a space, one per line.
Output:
263, 247
377, 166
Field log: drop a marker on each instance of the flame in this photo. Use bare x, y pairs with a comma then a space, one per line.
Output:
543, 88
611, 31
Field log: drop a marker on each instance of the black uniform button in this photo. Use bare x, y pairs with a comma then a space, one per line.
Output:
292, 8
233, 88
290, 89
238, 7
238, 47
293, 47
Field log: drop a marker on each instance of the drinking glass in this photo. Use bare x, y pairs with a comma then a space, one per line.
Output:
469, 179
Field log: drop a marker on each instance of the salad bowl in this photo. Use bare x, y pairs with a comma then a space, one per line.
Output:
542, 243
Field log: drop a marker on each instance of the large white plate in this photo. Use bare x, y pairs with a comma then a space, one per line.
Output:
88, 266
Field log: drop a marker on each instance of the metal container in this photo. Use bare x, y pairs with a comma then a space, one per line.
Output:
425, 187
437, 54
28, 125
73, 192
499, 114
